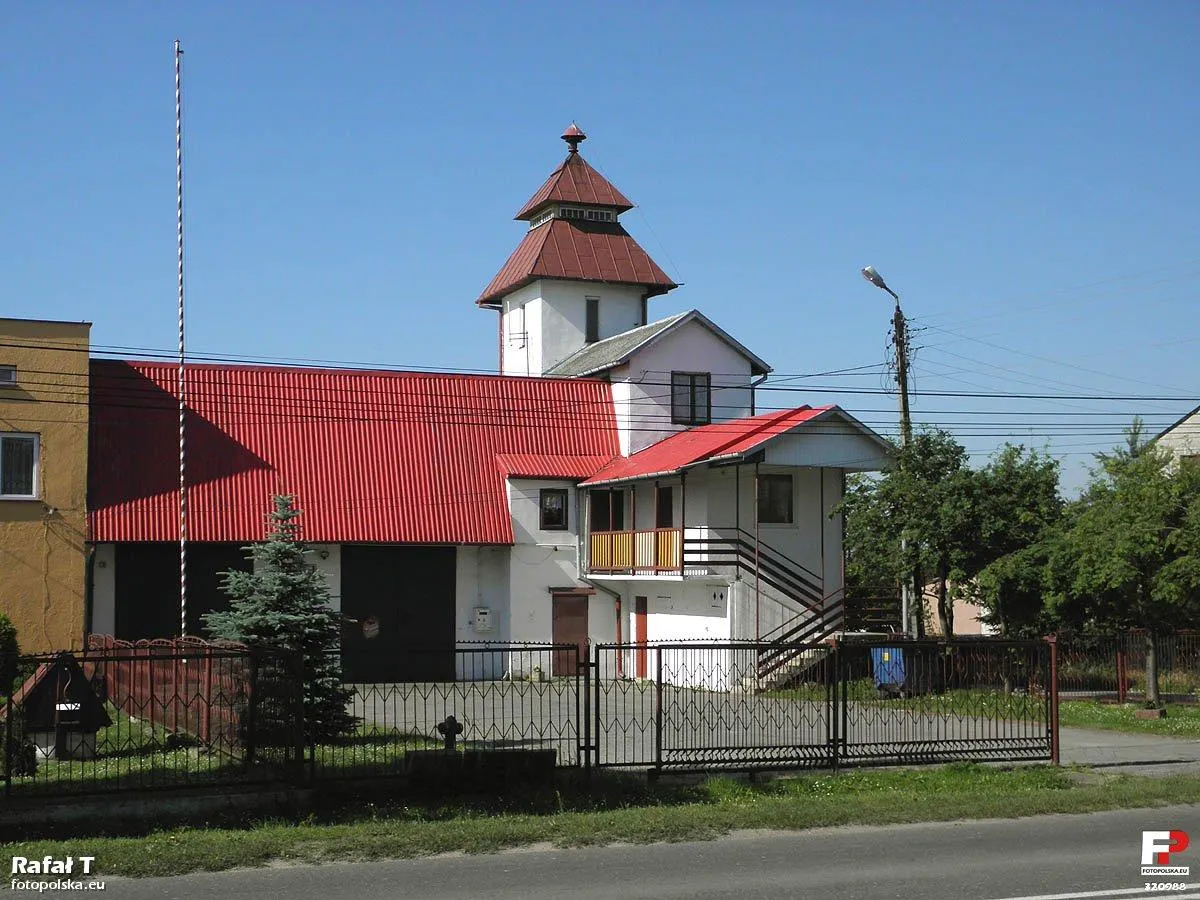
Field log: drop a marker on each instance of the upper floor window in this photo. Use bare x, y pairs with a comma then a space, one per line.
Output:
8, 376
775, 499
553, 502
592, 326
691, 398
18, 466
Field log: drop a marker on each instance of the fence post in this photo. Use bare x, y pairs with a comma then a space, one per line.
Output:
1122, 672
1052, 697
206, 723
586, 664
833, 709
8, 747
658, 711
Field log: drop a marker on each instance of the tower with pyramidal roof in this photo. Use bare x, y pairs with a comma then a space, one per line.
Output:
577, 277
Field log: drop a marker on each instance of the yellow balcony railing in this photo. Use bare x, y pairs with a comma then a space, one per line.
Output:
654, 551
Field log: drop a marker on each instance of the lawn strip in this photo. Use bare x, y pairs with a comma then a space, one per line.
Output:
698, 812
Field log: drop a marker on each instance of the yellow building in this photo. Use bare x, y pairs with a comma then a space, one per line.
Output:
43, 480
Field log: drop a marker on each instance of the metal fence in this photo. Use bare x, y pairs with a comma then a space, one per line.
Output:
116, 718
711, 706
514, 697
1113, 666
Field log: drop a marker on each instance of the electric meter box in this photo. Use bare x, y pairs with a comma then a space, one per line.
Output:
484, 621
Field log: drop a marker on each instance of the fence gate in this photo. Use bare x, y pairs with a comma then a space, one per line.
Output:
710, 706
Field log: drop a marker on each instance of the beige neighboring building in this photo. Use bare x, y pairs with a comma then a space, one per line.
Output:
1183, 438
43, 480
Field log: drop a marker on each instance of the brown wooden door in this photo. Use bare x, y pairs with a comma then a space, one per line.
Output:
639, 636
569, 626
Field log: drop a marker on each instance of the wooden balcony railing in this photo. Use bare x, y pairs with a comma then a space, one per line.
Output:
657, 551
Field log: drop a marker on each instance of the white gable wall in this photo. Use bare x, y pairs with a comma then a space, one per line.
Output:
642, 387
831, 442
545, 322
1184, 438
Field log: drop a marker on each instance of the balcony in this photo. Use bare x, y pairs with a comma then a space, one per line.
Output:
656, 551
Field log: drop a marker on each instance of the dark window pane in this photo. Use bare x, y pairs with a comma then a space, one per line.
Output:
600, 501
701, 413
775, 499
663, 515
16, 466
618, 510
554, 509
592, 326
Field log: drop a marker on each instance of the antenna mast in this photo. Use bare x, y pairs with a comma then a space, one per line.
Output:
183, 509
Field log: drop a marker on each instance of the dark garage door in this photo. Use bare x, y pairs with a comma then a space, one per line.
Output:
399, 606
147, 586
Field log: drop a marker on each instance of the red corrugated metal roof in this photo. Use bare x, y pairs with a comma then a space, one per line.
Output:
575, 181
580, 251
526, 465
372, 456
708, 442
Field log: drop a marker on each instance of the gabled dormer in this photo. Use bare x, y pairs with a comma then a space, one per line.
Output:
577, 277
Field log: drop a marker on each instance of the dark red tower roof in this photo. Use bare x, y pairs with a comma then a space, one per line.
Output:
575, 182
573, 248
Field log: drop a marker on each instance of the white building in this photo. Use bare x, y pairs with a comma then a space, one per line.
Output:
615, 484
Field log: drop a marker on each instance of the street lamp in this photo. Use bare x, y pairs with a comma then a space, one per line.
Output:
876, 279
900, 334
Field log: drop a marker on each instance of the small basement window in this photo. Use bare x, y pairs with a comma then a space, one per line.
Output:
775, 499
18, 466
553, 502
8, 376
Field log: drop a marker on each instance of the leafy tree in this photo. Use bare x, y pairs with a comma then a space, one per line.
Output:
1128, 557
918, 517
1019, 510
283, 604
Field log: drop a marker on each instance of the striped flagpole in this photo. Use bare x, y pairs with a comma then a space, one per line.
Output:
182, 379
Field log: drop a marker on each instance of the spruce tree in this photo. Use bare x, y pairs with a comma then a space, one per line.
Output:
283, 604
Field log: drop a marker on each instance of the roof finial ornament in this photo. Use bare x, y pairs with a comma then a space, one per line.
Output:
574, 136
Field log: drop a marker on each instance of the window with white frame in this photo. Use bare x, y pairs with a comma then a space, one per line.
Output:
18, 466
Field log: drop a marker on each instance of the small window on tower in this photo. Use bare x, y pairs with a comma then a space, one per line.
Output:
592, 333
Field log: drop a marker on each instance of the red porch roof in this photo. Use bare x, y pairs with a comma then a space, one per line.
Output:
705, 444
400, 457
581, 251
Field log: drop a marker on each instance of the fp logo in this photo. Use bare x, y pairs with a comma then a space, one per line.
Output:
1157, 848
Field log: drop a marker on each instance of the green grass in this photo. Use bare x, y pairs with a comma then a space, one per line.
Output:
1181, 721
133, 753
981, 703
629, 810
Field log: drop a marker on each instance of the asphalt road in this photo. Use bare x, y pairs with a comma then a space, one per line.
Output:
1060, 857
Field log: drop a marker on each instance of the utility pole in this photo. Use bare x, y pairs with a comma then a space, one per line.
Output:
910, 588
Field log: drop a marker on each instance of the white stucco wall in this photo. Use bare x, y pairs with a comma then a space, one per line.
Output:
644, 396
1184, 438
553, 316
538, 559
832, 442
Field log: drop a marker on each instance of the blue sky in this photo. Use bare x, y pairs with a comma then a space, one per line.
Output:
1023, 174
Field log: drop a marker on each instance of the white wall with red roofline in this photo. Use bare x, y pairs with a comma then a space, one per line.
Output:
642, 387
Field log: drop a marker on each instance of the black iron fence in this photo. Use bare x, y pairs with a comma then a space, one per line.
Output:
111, 718
114, 718
708, 706
1113, 666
